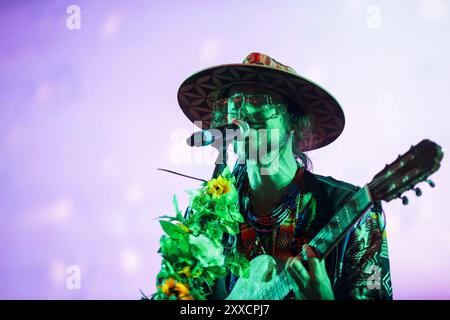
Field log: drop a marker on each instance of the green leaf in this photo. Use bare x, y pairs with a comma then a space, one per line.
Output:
217, 271
171, 229
175, 204
226, 173
231, 228
197, 271
174, 249
238, 264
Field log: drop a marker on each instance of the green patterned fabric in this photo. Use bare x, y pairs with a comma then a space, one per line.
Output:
363, 271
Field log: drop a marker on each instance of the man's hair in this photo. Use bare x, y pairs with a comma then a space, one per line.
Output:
302, 132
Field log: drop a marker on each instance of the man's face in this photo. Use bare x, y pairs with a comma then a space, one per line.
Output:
268, 132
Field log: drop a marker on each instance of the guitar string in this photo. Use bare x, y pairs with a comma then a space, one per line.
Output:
353, 202
401, 171
278, 281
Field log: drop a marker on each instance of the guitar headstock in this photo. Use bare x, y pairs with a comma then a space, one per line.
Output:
406, 171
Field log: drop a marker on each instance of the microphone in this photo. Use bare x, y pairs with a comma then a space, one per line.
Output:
209, 136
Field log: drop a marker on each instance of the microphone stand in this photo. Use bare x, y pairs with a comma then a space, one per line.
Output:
219, 289
222, 146
222, 158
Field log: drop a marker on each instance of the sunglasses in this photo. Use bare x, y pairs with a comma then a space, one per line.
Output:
251, 108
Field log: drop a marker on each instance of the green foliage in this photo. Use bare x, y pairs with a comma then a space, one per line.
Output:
238, 264
192, 251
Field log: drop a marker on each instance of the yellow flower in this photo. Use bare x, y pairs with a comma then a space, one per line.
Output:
170, 288
183, 289
167, 286
186, 271
218, 187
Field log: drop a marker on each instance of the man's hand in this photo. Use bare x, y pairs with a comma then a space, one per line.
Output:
309, 284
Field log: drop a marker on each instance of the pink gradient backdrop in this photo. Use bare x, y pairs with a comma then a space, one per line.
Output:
86, 117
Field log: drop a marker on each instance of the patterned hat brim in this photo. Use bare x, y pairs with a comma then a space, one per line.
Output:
198, 92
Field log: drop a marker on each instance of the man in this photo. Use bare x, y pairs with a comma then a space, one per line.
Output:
283, 203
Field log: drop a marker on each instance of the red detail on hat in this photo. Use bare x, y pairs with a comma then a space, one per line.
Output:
265, 60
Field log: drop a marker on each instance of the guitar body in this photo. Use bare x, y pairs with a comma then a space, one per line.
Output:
264, 282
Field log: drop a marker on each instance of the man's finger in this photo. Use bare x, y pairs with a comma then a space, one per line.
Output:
297, 271
309, 251
297, 283
313, 262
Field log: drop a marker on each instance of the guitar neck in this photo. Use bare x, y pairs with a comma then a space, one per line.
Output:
324, 242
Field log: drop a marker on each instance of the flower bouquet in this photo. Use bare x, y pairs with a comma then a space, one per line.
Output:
192, 249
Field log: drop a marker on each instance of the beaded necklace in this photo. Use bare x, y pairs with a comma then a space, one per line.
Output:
280, 231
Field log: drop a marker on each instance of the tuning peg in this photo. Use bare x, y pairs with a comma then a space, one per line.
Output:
418, 192
431, 183
405, 200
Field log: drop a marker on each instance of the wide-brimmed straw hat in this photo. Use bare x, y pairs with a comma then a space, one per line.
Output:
197, 94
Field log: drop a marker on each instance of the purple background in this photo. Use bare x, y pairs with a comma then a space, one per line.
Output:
86, 117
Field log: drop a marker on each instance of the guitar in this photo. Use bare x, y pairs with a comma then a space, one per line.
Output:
403, 174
